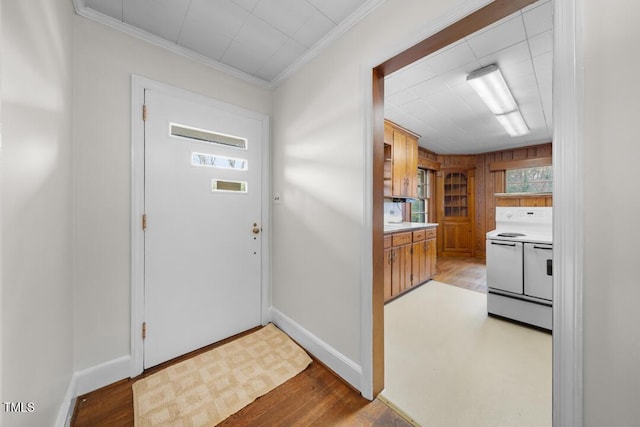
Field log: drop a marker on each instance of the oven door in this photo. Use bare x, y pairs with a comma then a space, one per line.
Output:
504, 266
537, 270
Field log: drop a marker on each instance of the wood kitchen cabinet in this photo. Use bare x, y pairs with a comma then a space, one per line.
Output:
400, 262
387, 267
410, 258
401, 162
456, 211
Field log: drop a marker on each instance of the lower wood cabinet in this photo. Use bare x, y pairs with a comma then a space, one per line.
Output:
457, 239
410, 259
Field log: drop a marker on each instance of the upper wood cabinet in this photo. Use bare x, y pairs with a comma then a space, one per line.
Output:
456, 197
401, 162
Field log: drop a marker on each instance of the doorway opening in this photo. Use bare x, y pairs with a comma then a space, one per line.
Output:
564, 348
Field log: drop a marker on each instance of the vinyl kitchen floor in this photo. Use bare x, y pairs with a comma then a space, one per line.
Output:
449, 364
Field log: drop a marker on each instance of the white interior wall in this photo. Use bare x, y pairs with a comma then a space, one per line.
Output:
319, 172
612, 203
36, 175
105, 61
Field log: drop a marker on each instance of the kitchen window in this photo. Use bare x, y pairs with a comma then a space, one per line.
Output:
529, 180
420, 205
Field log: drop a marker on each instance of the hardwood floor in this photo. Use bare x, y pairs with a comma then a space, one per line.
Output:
315, 397
468, 273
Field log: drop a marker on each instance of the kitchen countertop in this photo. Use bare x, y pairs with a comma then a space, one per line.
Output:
407, 226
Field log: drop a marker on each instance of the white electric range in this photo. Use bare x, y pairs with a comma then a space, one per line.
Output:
519, 265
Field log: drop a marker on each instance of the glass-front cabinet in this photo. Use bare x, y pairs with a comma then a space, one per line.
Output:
456, 203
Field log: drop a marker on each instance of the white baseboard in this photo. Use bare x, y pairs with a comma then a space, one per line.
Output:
98, 376
95, 377
88, 380
66, 408
346, 368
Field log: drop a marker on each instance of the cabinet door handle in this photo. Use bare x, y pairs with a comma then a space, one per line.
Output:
504, 244
549, 267
543, 248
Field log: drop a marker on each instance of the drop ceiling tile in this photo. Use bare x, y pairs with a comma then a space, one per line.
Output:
534, 5
204, 40
411, 75
539, 19
534, 117
109, 8
247, 4
258, 35
316, 27
524, 86
508, 56
448, 103
471, 98
401, 98
495, 24
416, 108
458, 76
285, 15
530, 100
547, 105
451, 59
247, 59
208, 18
543, 65
280, 60
541, 44
430, 87
394, 84
497, 38
337, 10
513, 70
269, 71
163, 18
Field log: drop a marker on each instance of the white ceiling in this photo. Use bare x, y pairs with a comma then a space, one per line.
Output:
262, 39
432, 98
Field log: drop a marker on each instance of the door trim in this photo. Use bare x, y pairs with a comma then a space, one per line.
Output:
568, 233
138, 85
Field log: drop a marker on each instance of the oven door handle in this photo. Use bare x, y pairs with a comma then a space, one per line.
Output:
503, 244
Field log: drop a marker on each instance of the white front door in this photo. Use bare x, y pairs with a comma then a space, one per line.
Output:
202, 196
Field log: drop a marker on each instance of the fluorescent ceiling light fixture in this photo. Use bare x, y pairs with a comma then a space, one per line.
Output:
491, 87
493, 90
513, 123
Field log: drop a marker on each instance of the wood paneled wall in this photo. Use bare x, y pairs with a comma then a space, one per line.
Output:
487, 182
529, 200
490, 182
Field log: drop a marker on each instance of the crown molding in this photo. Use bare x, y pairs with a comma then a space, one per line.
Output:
82, 10
353, 19
329, 38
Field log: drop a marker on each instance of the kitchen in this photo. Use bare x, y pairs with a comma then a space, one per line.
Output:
479, 193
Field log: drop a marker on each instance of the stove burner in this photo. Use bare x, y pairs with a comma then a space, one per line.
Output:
511, 235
